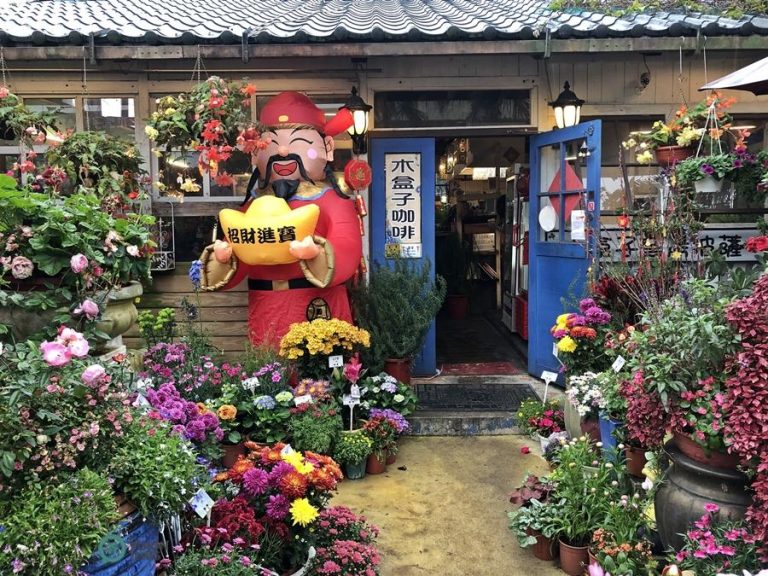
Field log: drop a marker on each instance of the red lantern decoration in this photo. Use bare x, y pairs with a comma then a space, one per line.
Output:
357, 174
623, 221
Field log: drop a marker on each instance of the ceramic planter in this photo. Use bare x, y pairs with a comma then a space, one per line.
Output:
708, 185
355, 471
573, 558
376, 466
689, 486
670, 155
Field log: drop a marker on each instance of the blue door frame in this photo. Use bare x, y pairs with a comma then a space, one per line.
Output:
565, 170
425, 363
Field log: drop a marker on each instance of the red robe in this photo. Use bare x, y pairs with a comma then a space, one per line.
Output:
270, 311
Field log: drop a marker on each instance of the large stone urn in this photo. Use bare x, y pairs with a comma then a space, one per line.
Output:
118, 316
690, 485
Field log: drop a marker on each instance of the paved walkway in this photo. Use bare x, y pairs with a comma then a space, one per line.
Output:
445, 514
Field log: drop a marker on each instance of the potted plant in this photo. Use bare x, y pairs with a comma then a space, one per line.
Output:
66, 255
540, 420
315, 427
705, 173
352, 451
383, 434
307, 345
17, 121
402, 426
51, 526
397, 307
385, 391
535, 525
672, 141
212, 118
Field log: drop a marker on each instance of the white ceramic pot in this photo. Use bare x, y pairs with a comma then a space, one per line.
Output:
708, 185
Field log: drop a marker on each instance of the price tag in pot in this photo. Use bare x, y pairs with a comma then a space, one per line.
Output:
349, 400
305, 399
618, 364
335, 361
555, 351
201, 503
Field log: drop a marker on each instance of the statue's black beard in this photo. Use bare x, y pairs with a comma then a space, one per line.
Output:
285, 189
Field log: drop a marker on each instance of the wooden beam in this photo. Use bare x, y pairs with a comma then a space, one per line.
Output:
393, 48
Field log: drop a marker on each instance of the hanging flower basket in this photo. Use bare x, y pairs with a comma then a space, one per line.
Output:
670, 155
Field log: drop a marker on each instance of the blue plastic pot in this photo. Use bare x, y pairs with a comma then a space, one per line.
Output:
355, 471
608, 427
129, 550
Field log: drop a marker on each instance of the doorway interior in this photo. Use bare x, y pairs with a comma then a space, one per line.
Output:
481, 241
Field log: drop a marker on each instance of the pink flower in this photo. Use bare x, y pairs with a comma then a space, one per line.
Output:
21, 267
55, 353
78, 263
525, 450
711, 507
79, 347
133, 250
89, 308
4, 92
353, 370
93, 374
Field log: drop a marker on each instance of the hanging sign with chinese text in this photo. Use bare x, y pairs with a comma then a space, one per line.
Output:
403, 205
728, 241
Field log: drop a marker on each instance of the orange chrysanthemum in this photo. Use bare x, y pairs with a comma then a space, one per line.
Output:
293, 485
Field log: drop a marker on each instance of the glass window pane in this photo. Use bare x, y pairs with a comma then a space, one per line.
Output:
238, 172
192, 234
64, 109
179, 175
446, 108
115, 116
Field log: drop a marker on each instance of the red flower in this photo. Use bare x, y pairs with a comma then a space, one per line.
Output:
757, 244
525, 450
225, 180
293, 485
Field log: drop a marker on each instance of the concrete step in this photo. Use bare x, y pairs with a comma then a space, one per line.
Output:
462, 423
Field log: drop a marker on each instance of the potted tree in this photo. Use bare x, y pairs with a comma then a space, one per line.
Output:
397, 307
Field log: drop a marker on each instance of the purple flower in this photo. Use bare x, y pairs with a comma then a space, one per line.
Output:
255, 482
390, 387
210, 420
707, 169
586, 304
280, 470
738, 163
401, 424
597, 315
278, 506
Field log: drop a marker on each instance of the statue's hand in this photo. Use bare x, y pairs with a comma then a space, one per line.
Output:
305, 249
222, 251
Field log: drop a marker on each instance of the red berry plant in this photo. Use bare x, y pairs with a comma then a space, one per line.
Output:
747, 399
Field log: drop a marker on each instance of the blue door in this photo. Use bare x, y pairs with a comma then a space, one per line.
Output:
564, 219
403, 212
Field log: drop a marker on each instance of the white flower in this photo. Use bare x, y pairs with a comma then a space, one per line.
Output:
398, 398
251, 383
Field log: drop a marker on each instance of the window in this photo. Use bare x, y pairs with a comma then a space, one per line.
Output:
449, 108
114, 115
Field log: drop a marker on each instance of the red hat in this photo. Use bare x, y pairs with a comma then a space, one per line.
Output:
297, 108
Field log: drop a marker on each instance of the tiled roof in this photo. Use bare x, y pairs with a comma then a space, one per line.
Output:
267, 21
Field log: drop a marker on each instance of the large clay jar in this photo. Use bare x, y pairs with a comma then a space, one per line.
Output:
399, 368
690, 485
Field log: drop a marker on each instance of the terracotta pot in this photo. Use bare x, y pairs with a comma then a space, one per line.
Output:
688, 487
592, 558
391, 458
573, 559
231, 453
670, 155
544, 549
699, 454
457, 305
590, 427
636, 460
375, 466
400, 368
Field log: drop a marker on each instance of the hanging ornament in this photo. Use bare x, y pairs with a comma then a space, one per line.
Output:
357, 174
623, 221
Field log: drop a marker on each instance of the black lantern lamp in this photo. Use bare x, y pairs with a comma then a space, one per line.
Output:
567, 108
359, 127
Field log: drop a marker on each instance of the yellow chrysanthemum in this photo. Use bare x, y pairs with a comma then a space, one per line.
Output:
227, 412
567, 344
296, 459
302, 512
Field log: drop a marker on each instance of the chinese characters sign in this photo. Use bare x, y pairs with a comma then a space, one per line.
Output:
728, 241
403, 205
261, 235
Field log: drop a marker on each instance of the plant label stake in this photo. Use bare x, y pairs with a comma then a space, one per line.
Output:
335, 361
201, 503
352, 399
548, 378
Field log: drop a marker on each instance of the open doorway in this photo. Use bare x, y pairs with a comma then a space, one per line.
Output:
481, 215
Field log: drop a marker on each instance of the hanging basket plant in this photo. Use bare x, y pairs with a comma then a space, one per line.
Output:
18, 122
210, 119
